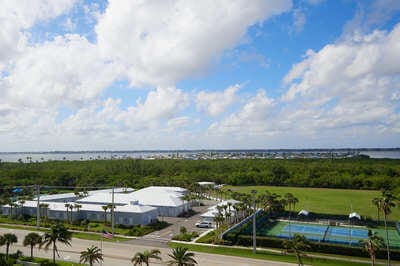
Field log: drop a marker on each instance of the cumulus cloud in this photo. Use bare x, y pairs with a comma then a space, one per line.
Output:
214, 103
346, 91
251, 119
67, 70
160, 105
17, 16
176, 42
347, 84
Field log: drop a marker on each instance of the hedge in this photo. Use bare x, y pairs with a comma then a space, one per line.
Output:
246, 240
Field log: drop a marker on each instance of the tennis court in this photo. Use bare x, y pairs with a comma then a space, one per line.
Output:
325, 233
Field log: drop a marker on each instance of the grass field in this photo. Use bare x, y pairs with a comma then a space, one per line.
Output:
329, 201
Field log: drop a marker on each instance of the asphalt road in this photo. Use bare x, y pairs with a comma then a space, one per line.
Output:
119, 254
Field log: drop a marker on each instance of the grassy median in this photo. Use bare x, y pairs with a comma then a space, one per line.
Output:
266, 255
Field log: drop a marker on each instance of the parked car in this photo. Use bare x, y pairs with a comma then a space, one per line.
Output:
204, 224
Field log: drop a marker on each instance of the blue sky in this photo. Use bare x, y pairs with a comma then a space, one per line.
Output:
80, 74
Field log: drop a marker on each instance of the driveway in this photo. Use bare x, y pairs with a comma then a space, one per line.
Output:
166, 234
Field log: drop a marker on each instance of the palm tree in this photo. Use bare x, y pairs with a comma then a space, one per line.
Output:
297, 244
91, 255
387, 203
57, 233
71, 207
181, 257
21, 204
144, 258
66, 205
105, 208
32, 239
377, 202
9, 239
372, 244
77, 207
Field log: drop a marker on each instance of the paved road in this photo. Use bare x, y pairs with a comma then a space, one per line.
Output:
119, 254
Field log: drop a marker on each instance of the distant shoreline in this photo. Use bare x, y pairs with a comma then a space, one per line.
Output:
205, 150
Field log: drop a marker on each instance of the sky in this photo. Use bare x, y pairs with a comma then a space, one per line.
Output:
210, 74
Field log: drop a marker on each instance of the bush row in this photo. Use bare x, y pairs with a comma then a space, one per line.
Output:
245, 240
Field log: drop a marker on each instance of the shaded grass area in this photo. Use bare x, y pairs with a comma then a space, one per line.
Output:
265, 255
96, 227
80, 235
327, 201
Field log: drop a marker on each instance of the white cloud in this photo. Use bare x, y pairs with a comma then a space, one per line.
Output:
67, 70
299, 20
251, 119
346, 92
163, 42
348, 84
17, 16
215, 103
162, 104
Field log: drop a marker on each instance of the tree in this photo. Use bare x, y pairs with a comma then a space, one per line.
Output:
9, 239
105, 208
144, 258
91, 255
32, 239
66, 205
372, 244
181, 257
377, 202
57, 233
21, 204
298, 244
387, 203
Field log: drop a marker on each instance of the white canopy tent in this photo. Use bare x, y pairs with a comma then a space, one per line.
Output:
354, 215
304, 213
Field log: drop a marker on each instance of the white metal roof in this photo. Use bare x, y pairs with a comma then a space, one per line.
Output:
60, 206
153, 196
118, 190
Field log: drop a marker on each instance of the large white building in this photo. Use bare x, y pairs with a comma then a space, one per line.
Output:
131, 207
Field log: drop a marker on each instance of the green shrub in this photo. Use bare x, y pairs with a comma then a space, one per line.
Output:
245, 240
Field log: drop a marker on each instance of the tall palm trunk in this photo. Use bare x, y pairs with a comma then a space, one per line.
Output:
54, 252
299, 261
7, 249
387, 240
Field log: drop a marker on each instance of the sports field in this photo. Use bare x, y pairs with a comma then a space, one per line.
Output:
325, 200
324, 233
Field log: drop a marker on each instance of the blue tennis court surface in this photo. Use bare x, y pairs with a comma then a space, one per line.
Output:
324, 233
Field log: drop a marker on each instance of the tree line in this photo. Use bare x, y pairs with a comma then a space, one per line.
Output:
355, 173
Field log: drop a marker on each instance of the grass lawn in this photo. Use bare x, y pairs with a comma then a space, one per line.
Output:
325, 200
265, 255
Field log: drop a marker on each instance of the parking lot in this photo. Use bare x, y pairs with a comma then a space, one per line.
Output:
166, 234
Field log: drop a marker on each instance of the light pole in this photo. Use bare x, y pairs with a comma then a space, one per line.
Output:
254, 220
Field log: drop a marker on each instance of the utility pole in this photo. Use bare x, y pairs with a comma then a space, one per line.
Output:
254, 220
38, 207
112, 212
